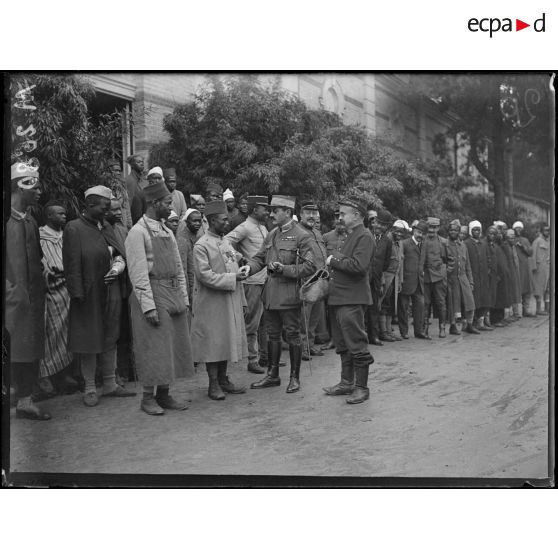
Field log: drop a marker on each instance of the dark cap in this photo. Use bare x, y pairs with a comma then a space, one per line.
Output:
308, 204
422, 226
357, 204
385, 217
216, 207
156, 191
257, 200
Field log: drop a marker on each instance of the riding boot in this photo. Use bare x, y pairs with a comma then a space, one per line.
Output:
361, 392
271, 379
214, 392
226, 385
346, 385
295, 352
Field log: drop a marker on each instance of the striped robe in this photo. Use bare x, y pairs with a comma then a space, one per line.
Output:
57, 356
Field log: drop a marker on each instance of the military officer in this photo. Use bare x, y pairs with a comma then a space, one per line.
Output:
349, 295
288, 253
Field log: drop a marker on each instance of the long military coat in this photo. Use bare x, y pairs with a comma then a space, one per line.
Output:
25, 289
460, 279
524, 252
218, 331
479, 266
503, 297
294, 247
86, 261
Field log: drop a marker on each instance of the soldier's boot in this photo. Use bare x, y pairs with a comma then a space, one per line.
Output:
214, 392
295, 352
226, 385
385, 335
271, 379
425, 330
347, 383
361, 392
453, 330
442, 330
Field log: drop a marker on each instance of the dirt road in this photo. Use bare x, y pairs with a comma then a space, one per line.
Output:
469, 406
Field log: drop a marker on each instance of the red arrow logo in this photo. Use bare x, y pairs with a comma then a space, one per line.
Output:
519, 25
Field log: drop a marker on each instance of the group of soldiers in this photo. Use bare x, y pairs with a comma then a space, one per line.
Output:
150, 283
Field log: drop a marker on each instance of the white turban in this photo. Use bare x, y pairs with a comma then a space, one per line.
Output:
518, 224
499, 224
474, 224
400, 224
172, 215
155, 170
189, 211
228, 195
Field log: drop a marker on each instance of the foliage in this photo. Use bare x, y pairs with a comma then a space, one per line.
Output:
259, 139
489, 112
72, 149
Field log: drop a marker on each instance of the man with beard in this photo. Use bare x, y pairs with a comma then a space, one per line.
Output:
135, 183
334, 240
478, 258
541, 269
379, 264
25, 290
57, 356
309, 212
460, 282
349, 296
93, 260
435, 275
524, 253
248, 238
178, 202
218, 331
287, 253
412, 287
158, 304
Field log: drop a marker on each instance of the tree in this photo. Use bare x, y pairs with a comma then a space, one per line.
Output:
72, 149
258, 138
490, 112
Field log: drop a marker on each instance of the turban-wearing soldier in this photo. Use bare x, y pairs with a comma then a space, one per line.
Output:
287, 253
524, 253
460, 282
158, 304
478, 258
25, 290
349, 295
541, 270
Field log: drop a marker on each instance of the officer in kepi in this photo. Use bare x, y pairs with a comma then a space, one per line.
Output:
349, 295
287, 252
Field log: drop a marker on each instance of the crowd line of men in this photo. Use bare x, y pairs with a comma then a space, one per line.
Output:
148, 283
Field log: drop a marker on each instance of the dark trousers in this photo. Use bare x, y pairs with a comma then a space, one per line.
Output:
435, 292
372, 321
253, 317
418, 312
26, 375
349, 334
310, 317
496, 315
289, 319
